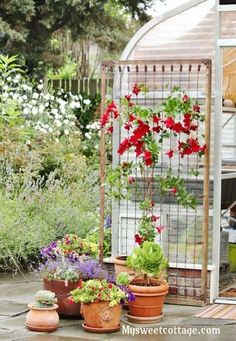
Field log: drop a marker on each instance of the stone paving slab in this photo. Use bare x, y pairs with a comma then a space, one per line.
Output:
19, 292
7, 308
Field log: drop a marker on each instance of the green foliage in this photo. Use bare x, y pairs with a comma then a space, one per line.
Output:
148, 260
45, 299
123, 279
91, 20
94, 237
170, 182
66, 71
96, 290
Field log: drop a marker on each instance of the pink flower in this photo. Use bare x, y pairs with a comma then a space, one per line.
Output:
185, 98
131, 179
160, 228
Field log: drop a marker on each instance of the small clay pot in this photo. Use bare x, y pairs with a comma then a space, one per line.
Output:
149, 300
120, 266
100, 315
62, 291
42, 319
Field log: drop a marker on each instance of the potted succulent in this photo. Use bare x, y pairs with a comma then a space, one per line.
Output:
101, 303
65, 262
43, 316
149, 286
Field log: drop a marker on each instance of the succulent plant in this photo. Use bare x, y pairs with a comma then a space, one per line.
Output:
45, 299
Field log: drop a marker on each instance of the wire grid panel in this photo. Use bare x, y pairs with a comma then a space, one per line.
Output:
182, 238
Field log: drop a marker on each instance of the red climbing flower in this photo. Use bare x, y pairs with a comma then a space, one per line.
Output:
196, 108
169, 122
138, 239
136, 89
170, 153
124, 145
148, 158
160, 228
185, 98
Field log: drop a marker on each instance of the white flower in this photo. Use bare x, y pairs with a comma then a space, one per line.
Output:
58, 123
35, 95
24, 97
34, 111
5, 87
54, 111
66, 121
87, 101
26, 111
41, 108
40, 87
66, 132
15, 96
50, 129
72, 123
88, 135
9, 79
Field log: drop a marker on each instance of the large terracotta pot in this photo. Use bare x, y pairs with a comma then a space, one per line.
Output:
42, 319
120, 266
149, 300
100, 315
62, 290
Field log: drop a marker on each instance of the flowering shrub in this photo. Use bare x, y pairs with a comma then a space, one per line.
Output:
101, 290
177, 119
35, 108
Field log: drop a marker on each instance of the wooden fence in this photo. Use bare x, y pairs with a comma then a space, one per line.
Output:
88, 86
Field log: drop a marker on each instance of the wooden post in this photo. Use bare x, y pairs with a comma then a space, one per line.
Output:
205, 226
102, 166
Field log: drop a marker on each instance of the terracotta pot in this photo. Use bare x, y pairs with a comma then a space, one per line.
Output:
101, 316
149, 300
120, 266
62, 291
42, 319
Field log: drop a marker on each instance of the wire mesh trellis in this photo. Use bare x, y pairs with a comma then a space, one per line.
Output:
186, 238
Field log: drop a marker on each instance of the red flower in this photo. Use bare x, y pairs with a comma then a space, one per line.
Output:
185, 98
170, 153
80, 284
99, 295
154, 218
203, 148
187, 120
127, 125
160, 228
152, 203
156, 119
110, 285
147, 158
132, 118
139, 148
124, 145
105, 118
157, 129
136, 89
177, 127
173, 190
194, 145
169, 122
138, 239
196, 108
128, 97
71, 300
110, 130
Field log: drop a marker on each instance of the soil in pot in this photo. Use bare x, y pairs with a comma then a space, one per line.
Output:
42, 319
62, 291
149, 300
100, 316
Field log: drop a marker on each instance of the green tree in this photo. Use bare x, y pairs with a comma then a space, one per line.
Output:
27, 26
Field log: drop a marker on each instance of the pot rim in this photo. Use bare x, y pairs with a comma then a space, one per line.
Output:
32, 307
162, 288
117, 259
59, 280
100, 303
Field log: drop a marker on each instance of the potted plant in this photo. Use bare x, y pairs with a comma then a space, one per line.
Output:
149, 286
101, 303
156, 136
65, 262
43, 316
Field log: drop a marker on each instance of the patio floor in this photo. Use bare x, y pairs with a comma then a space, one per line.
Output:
16, 292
